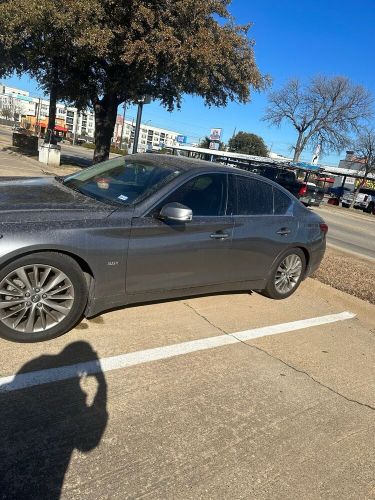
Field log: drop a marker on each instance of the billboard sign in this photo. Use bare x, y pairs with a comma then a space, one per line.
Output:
216, 134
214, 145
181, 139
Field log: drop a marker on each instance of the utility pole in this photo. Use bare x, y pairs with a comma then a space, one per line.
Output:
75, 129
123, 126
38, 116
137, 127
141, 102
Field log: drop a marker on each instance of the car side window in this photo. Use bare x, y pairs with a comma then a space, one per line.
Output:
206, 195
281, 202
253, 197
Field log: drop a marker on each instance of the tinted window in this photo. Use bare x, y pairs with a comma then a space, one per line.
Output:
253, 197
281, 201
121, 181
205, 195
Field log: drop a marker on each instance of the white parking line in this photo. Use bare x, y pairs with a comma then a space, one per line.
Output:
24, 380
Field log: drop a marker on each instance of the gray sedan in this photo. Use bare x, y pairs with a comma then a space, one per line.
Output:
145, 228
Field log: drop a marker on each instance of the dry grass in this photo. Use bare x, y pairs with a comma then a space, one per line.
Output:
348, 273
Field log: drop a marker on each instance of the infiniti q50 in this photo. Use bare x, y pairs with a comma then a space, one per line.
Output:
142, 228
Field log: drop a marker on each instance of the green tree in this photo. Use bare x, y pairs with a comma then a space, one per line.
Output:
325, 111
43, 39
247, 143
102, 53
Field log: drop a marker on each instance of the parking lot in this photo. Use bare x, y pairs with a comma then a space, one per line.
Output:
226, 396
286, 415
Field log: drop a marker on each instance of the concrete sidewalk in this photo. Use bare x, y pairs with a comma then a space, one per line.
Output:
16, 164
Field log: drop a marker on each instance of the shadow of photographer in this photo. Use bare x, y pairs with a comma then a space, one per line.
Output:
41, 426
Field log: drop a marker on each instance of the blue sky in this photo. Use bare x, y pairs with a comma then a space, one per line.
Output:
293, 39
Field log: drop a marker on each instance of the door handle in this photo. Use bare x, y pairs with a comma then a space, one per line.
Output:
219, 236
284, 231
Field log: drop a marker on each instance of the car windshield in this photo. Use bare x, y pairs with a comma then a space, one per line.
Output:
121, 181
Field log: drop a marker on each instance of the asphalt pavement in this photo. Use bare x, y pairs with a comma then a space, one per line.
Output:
350, 230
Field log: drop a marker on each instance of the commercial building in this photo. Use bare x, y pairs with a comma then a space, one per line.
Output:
32, 113
150, 137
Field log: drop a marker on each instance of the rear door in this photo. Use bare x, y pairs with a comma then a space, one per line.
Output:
174, 255
264, 226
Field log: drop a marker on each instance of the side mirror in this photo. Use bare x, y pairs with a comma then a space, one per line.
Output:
176, 212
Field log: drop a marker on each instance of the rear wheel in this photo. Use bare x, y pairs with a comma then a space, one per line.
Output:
42, 296
286, 275
345, 205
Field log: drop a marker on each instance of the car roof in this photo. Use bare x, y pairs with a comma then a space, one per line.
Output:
186, 164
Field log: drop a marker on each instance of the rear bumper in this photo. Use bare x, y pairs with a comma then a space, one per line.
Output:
314, 263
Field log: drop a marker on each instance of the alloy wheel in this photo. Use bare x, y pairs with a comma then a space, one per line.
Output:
34, 298
288, 273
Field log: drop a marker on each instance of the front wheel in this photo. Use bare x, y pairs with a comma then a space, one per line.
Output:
286, 275
42, 296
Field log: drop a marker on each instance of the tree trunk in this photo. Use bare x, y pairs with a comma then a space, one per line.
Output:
298, 147
50, 135
356, 191
105, 120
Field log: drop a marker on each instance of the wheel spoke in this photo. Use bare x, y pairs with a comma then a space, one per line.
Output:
58, 290
36, 275
60, 277
11, 293
29, 328
57, 307
9, 303
13, 312
20, 317
60, 297
43, 318
44, 276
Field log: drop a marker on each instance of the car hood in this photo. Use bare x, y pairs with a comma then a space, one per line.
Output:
38, 199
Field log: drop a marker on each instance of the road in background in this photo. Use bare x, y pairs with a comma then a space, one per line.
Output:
349, 230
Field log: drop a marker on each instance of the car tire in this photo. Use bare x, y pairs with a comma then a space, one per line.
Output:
50, 294
292, 263
344, 205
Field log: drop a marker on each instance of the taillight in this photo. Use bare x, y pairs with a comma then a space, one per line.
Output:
323, 228
302, 191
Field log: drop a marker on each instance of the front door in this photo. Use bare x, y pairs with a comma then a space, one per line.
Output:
165, 255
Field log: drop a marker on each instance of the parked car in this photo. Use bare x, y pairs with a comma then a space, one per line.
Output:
365, 200
140, 228
310, 194
307, 192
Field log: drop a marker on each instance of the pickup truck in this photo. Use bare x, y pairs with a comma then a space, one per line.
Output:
307, 192
365, 200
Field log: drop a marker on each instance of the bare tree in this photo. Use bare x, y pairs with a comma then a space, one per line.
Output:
10, 110
6, 111
326, 111
364, 150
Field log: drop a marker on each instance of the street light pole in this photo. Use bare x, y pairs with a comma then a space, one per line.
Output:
123, 126
141, 102
137, 127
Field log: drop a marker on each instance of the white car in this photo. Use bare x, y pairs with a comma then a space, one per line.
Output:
365, 200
